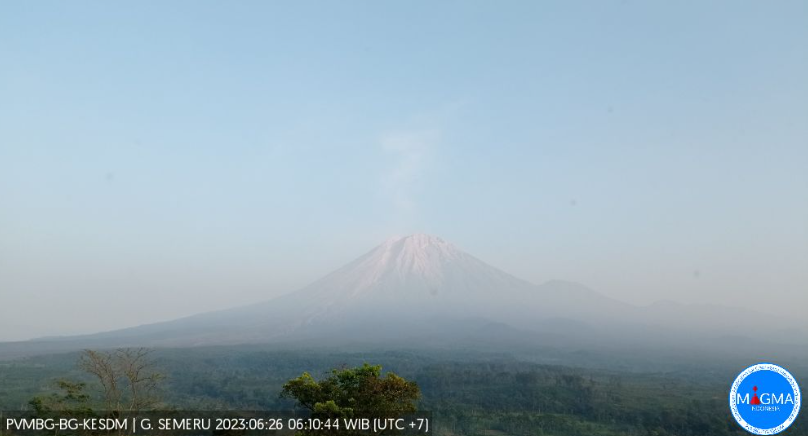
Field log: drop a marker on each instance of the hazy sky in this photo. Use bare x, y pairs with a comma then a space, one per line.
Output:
159, 159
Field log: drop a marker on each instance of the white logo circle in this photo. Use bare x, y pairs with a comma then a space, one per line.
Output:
738, 414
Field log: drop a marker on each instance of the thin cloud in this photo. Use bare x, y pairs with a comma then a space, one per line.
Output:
412, 154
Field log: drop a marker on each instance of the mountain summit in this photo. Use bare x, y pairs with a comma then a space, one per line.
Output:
417, 254
410, 270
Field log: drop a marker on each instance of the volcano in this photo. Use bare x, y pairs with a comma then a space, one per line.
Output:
407, 287
417, 289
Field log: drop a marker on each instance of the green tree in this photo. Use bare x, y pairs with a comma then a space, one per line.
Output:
353, 392
72, 399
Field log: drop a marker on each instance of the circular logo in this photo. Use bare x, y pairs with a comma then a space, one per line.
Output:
764, 399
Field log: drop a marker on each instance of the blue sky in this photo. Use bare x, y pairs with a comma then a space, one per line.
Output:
199, 155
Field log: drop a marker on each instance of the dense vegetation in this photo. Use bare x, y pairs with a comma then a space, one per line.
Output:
352, 393
468, 393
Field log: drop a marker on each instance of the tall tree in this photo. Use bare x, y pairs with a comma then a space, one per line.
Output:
353, 392
127, 377
127, 380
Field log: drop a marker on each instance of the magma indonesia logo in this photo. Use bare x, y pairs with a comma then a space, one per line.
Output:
764, 399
